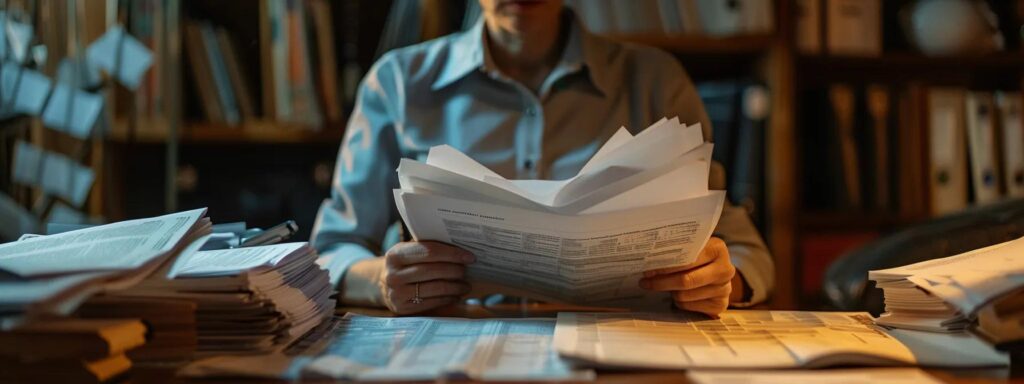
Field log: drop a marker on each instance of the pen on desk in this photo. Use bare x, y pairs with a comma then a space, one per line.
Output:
273, 235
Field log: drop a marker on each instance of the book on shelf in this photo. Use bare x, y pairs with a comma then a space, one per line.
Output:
1011, 120
853, 27
713, 18
947, 155
981, 139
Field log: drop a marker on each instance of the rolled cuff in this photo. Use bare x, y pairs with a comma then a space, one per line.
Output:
338, 259
752, 275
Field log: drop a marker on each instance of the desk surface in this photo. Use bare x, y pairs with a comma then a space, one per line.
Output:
1013, 374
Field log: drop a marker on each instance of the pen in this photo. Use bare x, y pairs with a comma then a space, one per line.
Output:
274, 235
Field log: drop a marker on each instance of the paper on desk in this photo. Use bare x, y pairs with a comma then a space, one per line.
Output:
747, 339
835, 376
418, 348
227, 262
121, 55
966, 281
118, 246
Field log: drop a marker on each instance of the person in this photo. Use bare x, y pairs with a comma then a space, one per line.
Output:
531, 94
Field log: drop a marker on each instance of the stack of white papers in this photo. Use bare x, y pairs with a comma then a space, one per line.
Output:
640, 203
249, 300
52, 275
943, 295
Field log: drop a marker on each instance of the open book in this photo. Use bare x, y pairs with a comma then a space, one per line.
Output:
640, 203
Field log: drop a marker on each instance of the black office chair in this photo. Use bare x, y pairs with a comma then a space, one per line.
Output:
846, 282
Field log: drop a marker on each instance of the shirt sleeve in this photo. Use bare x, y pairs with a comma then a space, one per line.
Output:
351, 224
747, 250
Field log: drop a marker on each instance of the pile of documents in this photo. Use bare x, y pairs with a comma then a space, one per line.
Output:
640, 203
69, 350
52, 275
248, 300
944, 295
171, 324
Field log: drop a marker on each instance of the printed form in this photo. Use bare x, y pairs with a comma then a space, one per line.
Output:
757, 339
420, 348
641, 202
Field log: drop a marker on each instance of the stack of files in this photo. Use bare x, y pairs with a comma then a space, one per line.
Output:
1002, 322
640, 203
69, 350
248, 300
172, 324
52, 275
944, 295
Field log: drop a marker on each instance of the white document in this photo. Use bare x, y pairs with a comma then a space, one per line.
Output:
836, 376
119, 246
15, 38
121, 55
740, 339
966, 281
228, 262
640, 203
29, 90
72, 111
55, 173
580, 259
418, 348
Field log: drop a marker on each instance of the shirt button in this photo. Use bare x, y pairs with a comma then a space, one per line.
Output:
528, 164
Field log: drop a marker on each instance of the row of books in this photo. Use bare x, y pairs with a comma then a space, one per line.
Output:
916, 151
677, 17
839, 27
298, 67
71, 312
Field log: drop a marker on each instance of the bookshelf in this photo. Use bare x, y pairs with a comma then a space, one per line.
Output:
249, 132
741, 45
769, 57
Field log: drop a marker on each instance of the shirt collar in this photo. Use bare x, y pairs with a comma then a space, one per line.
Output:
468, 52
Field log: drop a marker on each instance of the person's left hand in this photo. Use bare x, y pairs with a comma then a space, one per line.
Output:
704, 286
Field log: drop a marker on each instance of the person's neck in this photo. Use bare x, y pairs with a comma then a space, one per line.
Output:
526, 56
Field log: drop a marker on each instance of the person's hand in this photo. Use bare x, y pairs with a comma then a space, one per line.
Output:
704, 286
433, 270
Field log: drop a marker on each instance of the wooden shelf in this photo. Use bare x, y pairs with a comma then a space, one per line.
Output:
1000, 69
852, 221
250, 132
701, 44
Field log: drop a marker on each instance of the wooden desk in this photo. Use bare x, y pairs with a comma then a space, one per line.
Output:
1013, 374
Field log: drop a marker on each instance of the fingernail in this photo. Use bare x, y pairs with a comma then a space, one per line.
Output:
645, 284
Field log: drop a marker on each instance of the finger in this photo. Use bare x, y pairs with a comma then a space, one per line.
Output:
710, 274
703, 293
438, 288
418, 273
426, 252
408, 308
710, 307
714, 250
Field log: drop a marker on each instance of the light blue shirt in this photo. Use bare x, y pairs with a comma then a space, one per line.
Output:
448, 91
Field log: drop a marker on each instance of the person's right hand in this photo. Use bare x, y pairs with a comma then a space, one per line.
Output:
436, 270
